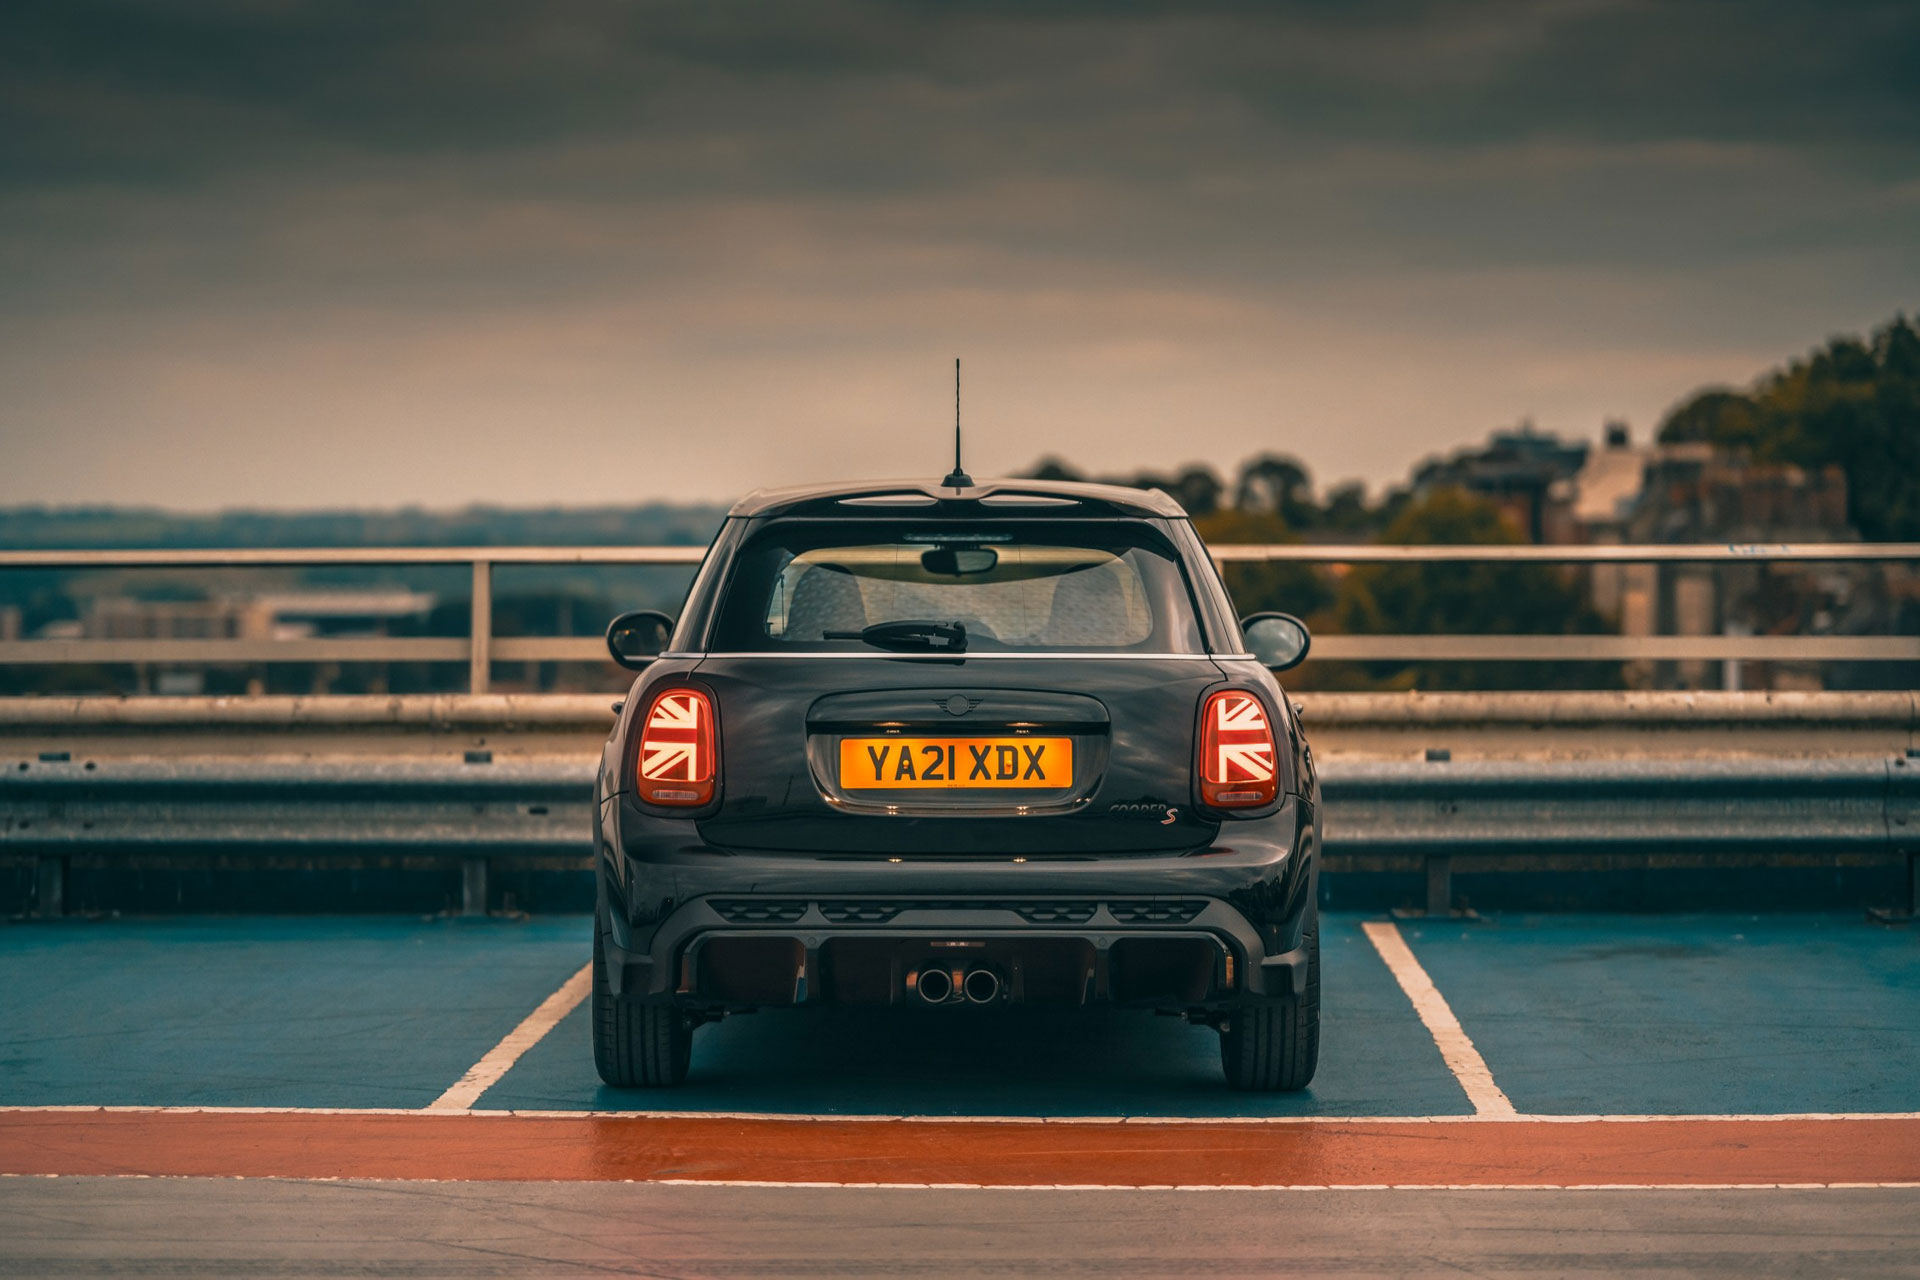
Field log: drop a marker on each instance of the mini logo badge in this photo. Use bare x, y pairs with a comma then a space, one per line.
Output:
958, 705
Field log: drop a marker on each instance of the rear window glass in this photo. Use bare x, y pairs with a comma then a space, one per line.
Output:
1061, 587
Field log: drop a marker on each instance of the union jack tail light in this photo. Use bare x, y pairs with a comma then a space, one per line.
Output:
1237, 765
678, 755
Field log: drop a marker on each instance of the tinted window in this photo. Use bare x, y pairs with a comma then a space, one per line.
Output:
1062, 587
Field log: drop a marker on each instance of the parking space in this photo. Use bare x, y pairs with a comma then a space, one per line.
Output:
280, 1012
1572, 1015
1685, 1015
1376, 1059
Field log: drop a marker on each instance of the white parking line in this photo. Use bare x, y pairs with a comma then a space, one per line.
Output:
1288, 1186
486, 1073
760, 1184
1468, 1067
805, 1117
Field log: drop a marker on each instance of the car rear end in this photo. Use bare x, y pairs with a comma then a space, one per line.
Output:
1094, 796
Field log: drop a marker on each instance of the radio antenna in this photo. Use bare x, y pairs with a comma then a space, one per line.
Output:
957, 479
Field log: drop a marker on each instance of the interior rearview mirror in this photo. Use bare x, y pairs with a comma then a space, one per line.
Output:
637, 638
954, 562
1279, 640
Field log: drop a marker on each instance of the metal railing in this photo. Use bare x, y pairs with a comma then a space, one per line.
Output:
480, 648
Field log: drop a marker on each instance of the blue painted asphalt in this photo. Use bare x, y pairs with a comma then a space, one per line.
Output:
289, 1011
1609, 1015
1686, 1015
1376, 1059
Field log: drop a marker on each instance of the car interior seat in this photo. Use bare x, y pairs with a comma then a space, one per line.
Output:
826, 598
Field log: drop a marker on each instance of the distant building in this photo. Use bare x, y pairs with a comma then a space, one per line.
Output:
1524, 472
1687, 493
1601, 499
1604, 491
126, 618
287, 615
293, 615
290, 615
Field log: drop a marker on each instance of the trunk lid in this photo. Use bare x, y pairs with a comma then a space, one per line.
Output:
812, 751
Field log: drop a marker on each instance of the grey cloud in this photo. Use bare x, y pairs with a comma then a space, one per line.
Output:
1568, 207
111, 88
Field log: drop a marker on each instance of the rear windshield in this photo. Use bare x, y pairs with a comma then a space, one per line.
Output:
1059, 587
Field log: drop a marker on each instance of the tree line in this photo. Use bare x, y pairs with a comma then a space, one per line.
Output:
1271, 500
1854, 402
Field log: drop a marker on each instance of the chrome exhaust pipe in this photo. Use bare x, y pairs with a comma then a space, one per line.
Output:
935, 985
982, 986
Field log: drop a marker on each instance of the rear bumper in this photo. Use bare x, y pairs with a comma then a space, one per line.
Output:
718, 931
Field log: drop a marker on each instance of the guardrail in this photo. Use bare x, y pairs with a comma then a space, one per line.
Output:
1438, 810
1434, 813
480, 648
1627, 784
522, 725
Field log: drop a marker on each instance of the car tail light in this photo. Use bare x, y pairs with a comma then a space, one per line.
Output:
1238, 769
679, 750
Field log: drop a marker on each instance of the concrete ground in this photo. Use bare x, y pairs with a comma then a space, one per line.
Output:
1483, 1039
101, 1227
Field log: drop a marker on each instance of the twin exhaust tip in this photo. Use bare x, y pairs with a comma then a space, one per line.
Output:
982, 986
977, 986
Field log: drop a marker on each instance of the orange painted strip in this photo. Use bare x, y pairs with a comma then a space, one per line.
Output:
492, 1148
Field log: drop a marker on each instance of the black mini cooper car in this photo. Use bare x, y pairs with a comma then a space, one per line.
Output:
951, 745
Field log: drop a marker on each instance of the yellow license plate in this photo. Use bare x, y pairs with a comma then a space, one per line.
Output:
956, 762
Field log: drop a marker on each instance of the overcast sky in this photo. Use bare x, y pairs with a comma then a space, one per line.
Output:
313, 252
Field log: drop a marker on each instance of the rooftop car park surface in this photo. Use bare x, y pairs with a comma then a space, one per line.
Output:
283, 1011
1686, 1015
1572, 1015
292, 1096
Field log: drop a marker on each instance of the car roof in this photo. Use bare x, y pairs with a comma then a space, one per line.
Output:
1088, 499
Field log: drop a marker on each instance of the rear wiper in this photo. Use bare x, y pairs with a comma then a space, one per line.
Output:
909, 634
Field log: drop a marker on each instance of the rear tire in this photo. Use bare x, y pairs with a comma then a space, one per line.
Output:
1274, 1048
635, 1045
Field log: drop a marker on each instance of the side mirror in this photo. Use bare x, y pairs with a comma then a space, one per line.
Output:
637, 638
1279, 640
